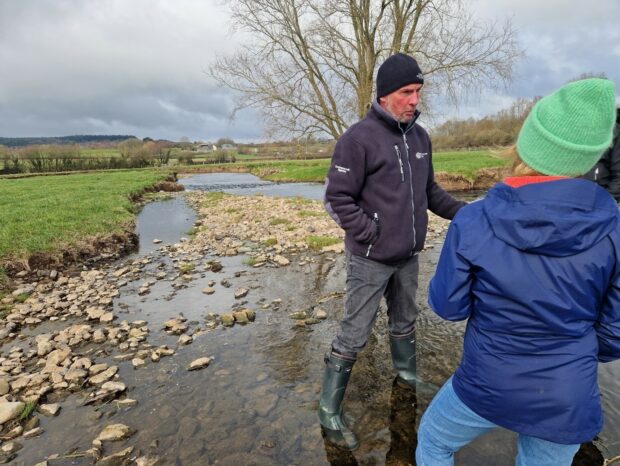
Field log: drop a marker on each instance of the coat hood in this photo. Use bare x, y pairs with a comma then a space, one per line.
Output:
553, 218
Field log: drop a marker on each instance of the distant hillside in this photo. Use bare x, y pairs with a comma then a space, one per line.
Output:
79, 139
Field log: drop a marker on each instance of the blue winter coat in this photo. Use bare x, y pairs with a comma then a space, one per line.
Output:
536, 269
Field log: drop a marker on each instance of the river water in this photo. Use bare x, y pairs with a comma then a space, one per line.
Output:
246, 184
256, 403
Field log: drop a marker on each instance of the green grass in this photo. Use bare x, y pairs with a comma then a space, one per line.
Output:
185, 268
466, 163
270, 242
28, 409
251, 261
43, 214
279, 221
299, 201
318, 242
463, 163
22, 297
301, 170
192, 232
281, 170
310, 213
5, 309
213, 198
245, 156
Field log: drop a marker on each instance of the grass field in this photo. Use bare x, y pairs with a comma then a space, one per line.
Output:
465, 163
42, 213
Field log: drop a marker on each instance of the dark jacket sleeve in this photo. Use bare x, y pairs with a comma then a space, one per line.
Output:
614, 168
345, 180
449, 292
608, 324
439, 201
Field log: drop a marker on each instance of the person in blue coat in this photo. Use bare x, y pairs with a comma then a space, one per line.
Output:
535, 267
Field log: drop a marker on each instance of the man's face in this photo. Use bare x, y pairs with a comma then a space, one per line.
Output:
401, 103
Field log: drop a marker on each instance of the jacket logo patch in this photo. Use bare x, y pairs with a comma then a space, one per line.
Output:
420, 155
342, 169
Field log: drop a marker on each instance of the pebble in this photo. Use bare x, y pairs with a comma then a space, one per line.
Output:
115, 432
10, 410
137, 363
49, 410
185, 340
199, 363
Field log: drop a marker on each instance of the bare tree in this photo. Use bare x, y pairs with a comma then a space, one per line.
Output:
309, 65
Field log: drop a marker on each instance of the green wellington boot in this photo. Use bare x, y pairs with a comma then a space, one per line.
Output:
337, 373
403, 357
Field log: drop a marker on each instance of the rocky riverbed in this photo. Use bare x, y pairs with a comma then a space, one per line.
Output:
208, 351
71, 340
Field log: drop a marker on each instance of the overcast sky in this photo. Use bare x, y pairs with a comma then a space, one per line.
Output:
138, 66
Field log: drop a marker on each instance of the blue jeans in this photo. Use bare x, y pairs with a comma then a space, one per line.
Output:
448, 424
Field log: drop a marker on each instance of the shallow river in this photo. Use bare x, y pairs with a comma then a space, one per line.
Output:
256, 403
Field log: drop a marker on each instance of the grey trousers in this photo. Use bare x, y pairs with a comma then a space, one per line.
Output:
367, 282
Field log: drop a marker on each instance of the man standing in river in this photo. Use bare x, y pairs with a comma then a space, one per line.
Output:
379, 187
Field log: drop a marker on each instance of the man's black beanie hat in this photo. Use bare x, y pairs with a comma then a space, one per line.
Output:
397, 71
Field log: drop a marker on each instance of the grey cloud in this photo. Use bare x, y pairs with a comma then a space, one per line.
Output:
563, 39
138, 66
96, 66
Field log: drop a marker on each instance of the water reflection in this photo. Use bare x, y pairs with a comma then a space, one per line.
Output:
166, 220
403, 435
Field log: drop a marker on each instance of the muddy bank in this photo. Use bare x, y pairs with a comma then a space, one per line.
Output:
484, 179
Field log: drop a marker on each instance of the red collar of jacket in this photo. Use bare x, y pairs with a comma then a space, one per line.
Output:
518, 181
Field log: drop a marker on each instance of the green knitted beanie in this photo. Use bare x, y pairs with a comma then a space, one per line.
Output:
566, 132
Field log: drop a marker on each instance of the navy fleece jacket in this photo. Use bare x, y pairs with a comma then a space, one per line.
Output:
380, 185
